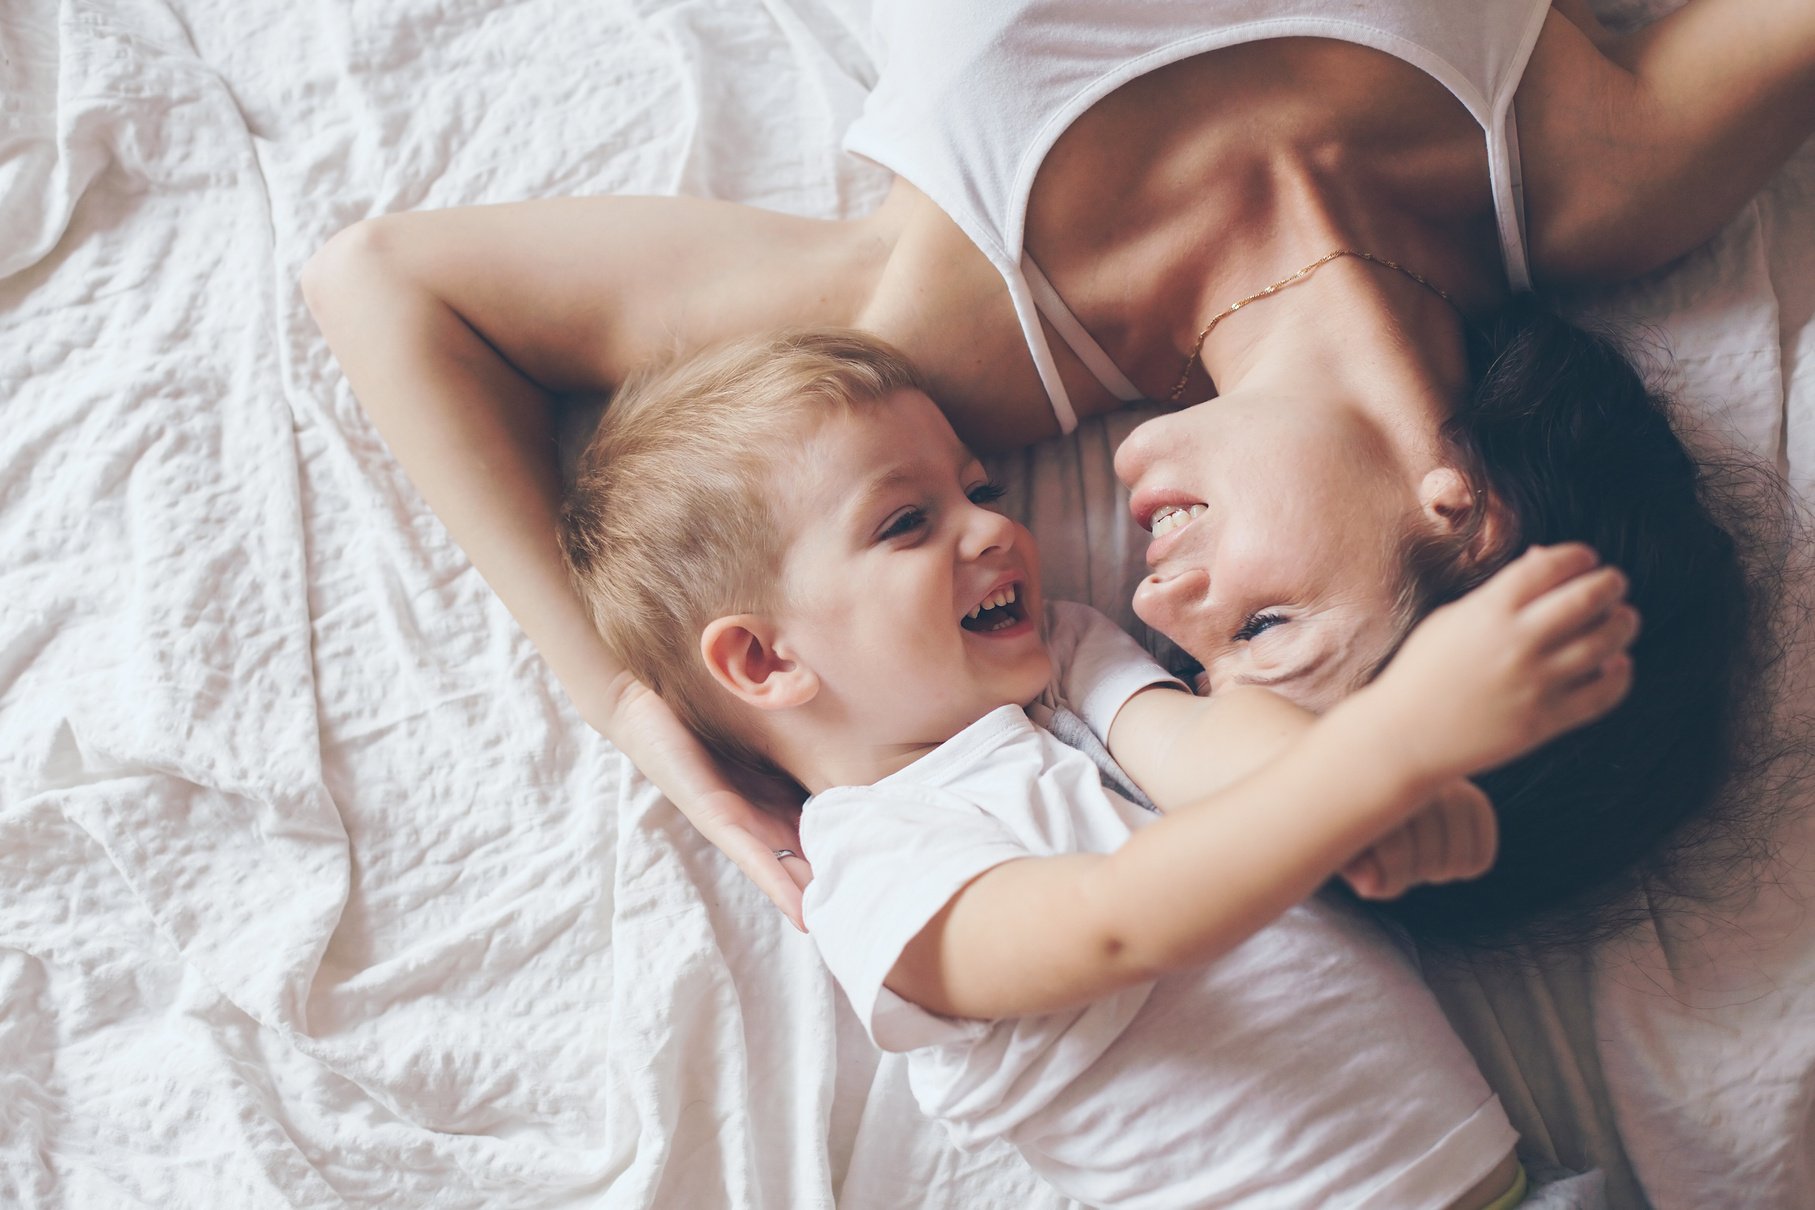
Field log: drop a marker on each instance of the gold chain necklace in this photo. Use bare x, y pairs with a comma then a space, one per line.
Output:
1198, 348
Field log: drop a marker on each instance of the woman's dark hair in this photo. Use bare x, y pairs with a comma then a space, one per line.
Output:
1566, 442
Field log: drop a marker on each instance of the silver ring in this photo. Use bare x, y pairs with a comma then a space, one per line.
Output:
781, 853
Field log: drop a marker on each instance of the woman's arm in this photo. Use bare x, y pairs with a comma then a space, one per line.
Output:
1637, 148
454, 327
1536, 651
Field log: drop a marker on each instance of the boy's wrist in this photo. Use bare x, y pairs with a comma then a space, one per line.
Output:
1376, 732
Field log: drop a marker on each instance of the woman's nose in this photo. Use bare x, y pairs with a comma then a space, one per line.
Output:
1140, 449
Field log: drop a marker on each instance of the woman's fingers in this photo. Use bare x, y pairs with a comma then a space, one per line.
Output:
781, 879
799, 869
751, 836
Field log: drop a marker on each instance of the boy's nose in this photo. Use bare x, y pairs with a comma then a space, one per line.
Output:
988, 530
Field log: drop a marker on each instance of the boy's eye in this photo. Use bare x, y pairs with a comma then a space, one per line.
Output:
987, 493
909, 521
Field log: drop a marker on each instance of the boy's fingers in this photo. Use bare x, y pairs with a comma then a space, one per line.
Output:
1538, 570
1393, 857
1574, 606
1582, 656
1430, 845
1363, 876
1483, 835
1601, 692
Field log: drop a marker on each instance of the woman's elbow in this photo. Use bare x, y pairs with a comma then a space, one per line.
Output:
351, 256
1606, 250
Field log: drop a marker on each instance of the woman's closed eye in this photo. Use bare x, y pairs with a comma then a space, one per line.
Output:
1257, 624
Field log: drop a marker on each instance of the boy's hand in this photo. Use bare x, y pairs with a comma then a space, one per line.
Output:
1536, 651
1451, 839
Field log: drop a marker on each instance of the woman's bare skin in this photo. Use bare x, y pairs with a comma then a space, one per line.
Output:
1155, 209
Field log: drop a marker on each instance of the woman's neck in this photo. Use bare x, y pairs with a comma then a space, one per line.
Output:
1356, 331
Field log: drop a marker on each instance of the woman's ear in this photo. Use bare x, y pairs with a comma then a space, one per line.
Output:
1453, 507
740, 654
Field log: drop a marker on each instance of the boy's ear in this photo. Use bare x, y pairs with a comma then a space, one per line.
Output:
740, 654
1448, 502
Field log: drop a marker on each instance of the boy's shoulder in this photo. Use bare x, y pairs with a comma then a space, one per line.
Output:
1097, 666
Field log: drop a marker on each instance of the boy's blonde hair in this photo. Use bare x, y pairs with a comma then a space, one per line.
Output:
672, 521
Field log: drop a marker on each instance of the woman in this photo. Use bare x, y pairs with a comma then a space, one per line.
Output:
1287, 204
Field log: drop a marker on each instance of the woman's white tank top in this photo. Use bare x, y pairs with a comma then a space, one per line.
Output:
973, 95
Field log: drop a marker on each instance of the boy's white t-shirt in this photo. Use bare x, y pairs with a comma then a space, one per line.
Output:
1309, 1067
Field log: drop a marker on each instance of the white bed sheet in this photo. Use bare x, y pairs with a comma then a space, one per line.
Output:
315, 890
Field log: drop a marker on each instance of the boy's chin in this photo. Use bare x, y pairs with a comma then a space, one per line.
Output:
1033, 683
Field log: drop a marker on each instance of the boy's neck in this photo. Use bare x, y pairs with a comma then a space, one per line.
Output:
827, 757
824, 763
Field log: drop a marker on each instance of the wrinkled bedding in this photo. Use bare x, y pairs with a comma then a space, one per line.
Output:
316, 891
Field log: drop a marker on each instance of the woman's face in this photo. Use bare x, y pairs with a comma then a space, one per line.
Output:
1283, 567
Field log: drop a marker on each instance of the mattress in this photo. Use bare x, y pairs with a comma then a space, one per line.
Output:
318, 893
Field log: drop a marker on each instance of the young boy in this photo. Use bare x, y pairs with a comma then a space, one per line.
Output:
788, 542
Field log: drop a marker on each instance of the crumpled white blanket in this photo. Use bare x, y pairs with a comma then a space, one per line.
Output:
316, 892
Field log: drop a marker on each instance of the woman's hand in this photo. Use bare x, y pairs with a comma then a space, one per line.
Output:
1453, 838
1536, 651
723, 804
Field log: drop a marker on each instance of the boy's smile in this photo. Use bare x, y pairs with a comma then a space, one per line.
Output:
913, 600
1001, 613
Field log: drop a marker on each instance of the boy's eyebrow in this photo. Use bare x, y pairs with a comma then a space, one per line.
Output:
881, 486
857, 513
886, 482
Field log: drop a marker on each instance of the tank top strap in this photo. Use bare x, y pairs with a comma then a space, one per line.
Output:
1073, 334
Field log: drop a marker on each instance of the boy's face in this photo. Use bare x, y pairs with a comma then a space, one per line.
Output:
895, 543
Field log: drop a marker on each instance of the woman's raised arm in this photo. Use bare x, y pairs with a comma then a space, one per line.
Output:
454, 329
1639, 147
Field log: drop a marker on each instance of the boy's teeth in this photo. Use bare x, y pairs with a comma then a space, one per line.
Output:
995, 600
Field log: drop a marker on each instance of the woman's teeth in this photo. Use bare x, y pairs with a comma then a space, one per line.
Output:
997, 599
1171, 517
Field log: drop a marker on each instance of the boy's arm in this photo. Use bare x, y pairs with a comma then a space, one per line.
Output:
1536, 651
1178, 748
1045, 933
